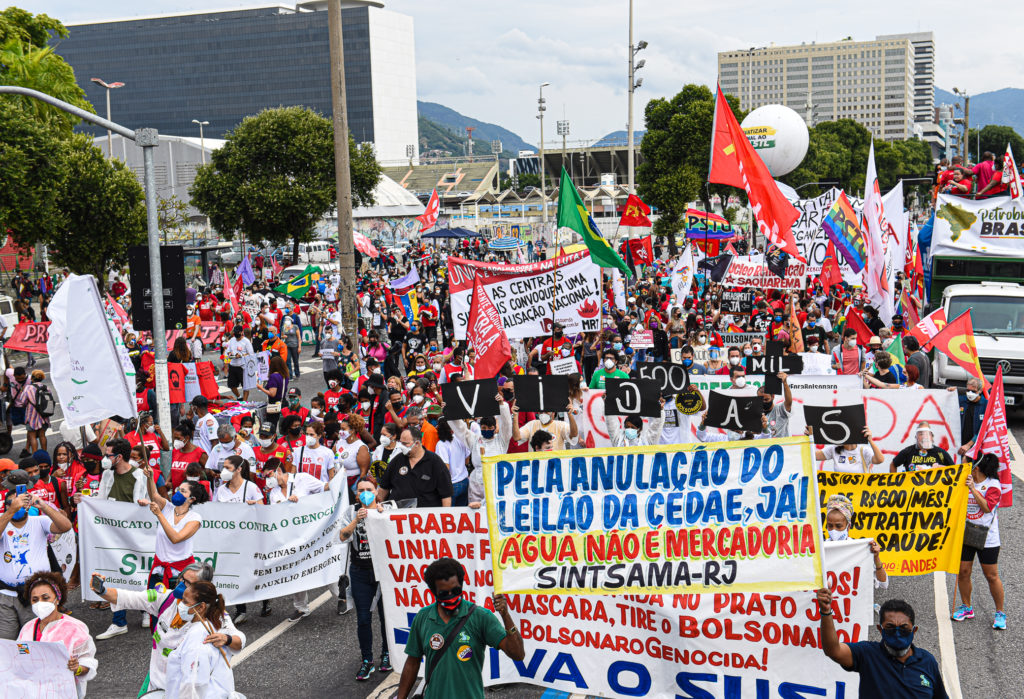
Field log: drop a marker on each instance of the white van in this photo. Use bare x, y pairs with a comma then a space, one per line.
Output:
314, 252
8, 313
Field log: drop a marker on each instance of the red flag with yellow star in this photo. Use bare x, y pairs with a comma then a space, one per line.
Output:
635, 213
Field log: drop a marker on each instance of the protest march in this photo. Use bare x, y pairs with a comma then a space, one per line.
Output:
652, 440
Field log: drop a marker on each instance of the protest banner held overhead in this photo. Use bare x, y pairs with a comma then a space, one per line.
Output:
701, 519
523, 294
652, 646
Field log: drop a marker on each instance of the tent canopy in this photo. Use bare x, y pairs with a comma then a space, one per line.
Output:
451, 233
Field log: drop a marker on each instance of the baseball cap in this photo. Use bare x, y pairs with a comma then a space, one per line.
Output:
15, 478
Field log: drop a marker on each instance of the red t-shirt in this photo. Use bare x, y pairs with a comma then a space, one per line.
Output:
180, 461
331, 399
277, 451
47, 492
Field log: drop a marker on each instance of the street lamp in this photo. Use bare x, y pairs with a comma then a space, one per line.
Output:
543, 181
633, 85
202, 141
109, 87
965, 142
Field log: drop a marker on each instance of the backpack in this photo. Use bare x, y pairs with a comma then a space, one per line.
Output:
45, 404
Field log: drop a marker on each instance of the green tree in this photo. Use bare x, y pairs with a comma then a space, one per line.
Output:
35, 30
30, 154
675, 151
273, 178
101, 210
171, 214
993, 139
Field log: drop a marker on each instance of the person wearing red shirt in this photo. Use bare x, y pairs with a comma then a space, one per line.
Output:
151, 435
49, 490
184, 452
333, 395
293, 405
291, 432
267, 448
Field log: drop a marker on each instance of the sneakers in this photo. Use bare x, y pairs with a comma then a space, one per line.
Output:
240, 618
365, 670
385, 658
265, 609
344, 605
296, 615
963, 612
112, 630
145, 621
1000, 622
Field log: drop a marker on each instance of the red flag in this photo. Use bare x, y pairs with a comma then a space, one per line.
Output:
928, 327
275, 266
635, 213
120, 315
232, 292
735, 162
207, 380
830, 274
29, 337
429, 217
910, 315
486, 333
731, 250
641, 250
853, 320
175, 382
956, 341
993, 438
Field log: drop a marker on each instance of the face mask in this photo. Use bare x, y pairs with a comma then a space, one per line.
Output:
293, 402
409, 385
609, 364
487, 434
421, 367
400, 449
178, 444
450, 600
294, 432
311, 441
271, 483
192, 479
687, 362
897, 641
702, 339
740, 381
925, 440
21, 514
178, 499
385, 441
866, 317
734, 361
837, 535
266, 442
767, 405
367, 497
418, 398
133, 463
631, 433
851, 343
617, 346
226, 475
972, 396
747, 351
811, 323
757, 348
43, 609
106, 464
185, 611
544, 418
332, 384
376, 371
179, 590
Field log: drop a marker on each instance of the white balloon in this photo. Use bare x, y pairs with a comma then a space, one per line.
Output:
780, 136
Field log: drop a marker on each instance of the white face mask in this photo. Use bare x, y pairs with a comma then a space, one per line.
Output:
266, 442
43, 609
401, 449
418, 398
376, 371
106, 463
133, 463
311, 441
747, 351
271, 482
851, 343
226, 474
544, 418
385, 441
740, 381
365, 405
409, 385
184, 611
609, 364
332, 384
837, 535
421, 367
151, 429
178, 444
437, 368
972, 395
734, 361
756, 348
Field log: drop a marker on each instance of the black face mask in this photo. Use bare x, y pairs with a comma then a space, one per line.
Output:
294, 432
766, 405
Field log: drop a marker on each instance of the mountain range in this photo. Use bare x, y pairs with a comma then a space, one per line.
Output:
1003, 107
456, 123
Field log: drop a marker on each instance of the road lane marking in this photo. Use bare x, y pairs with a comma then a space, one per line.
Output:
276, 631
385, 688
947, 646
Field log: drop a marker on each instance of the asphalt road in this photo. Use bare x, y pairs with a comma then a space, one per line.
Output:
319, 655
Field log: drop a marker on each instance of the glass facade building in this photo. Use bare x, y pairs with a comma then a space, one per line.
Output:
223, 66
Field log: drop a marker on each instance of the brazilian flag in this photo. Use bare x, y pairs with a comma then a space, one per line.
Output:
297, 286
572, 214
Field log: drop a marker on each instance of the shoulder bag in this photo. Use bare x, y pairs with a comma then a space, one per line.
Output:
444, 649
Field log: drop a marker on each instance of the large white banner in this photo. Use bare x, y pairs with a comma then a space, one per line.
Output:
892, 415
723, 645
992, 227
811, 238
258, 551
35, 670
85, 366
522, 294
752, 270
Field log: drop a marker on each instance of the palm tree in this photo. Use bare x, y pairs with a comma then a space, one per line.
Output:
41, 69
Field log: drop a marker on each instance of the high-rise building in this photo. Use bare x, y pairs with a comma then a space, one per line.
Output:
223, 66
885, 84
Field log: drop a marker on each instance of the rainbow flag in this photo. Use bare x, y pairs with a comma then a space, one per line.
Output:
840, 224
703, 224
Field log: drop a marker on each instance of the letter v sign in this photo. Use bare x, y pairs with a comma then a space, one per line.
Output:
470, 407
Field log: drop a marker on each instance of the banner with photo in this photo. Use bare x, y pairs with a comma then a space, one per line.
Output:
727, 644
653, 520
258, 551
990, 227
522, 294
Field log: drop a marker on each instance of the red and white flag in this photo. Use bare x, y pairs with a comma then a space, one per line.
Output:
735, 162
993, 438
232, 293
120, 315
928, 327
486, 333
429, 217
1011, 176
276, 266
879, 238
635, 213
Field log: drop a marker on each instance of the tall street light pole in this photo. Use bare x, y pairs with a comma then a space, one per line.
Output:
633, 85
109, 87
543, 179
342, 175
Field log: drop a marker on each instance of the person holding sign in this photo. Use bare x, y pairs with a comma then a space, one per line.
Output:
838, 518
47, 592
777, 415
178, 524
633, 432
984, 494
850, 458
892, 667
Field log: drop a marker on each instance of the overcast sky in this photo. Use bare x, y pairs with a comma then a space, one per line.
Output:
486, 59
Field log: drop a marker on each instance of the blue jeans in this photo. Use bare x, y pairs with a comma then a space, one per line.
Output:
460, 493
120, 618
293, 361
364, 587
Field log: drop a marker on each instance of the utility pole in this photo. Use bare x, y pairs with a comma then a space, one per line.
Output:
633, 84
108, 87
563, 131
342, 176
543, 179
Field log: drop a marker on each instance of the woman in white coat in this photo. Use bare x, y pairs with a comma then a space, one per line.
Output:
197, 669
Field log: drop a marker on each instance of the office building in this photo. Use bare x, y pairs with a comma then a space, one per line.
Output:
885, 84
221, 66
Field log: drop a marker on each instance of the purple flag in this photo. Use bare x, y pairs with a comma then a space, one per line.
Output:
245, 271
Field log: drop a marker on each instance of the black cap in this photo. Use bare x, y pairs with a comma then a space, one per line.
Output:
15, 478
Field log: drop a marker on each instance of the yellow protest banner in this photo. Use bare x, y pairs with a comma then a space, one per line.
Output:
917, 518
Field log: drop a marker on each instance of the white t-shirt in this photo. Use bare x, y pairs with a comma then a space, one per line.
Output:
853, 461
986, 519
299, 485
165, 550
347, 454
454, 454
246, 491
206, 432
23, 551
242, 347
316, 461
676, 428
219, 452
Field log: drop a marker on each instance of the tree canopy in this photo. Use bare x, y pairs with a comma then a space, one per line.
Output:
993, 139
273, 178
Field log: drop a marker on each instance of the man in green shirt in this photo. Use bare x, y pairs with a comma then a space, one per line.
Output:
458, 673
607, 369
